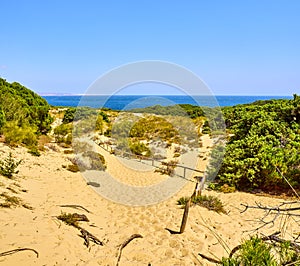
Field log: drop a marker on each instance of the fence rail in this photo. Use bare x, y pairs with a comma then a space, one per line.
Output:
141, 158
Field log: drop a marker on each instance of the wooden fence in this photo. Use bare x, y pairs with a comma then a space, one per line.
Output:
141, 158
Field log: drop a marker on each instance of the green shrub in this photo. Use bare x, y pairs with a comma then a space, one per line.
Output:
63, 133
209, 202
256, 251
167, 168
34, 151
81, 146
264, 138
73, 168
21, 105
68, 218
9, 165
16, 134
139, 148
96, 160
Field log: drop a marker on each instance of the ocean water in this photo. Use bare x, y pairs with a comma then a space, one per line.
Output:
127, 102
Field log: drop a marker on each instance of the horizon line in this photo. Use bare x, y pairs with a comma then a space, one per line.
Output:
81, 94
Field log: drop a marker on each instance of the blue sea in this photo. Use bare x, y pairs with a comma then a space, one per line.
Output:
127, 102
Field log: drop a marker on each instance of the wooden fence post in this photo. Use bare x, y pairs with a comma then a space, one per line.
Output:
185, 215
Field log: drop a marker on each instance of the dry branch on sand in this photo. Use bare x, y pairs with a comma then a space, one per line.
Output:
72, 219
272, 213
10, 252
124, 244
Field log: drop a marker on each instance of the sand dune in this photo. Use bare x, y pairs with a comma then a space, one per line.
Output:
49, 185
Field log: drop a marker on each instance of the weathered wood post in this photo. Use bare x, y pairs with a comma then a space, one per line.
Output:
198, 187
197, 192
185, 215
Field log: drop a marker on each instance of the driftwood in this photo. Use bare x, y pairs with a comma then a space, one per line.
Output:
210, 259
6, 253
75, 207
93, 184
124, 244
80, 217
87, 236
274, 212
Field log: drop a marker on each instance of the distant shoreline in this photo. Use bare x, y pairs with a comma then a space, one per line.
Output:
126, 102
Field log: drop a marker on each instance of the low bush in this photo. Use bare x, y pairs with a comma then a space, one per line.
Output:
73, 168
63, 133
9, 165
96, 160
209, 202
256, 251
16, 134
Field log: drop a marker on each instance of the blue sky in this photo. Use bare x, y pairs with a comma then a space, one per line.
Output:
236, 47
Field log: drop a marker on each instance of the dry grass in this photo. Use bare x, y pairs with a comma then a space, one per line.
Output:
9, 201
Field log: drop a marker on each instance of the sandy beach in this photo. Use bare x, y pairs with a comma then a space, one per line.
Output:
44, 184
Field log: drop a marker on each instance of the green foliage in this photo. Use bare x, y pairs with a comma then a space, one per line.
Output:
23, 106
63, 133
209, 202
96, 160
167, 168
264, 137
139, 148
255, 251
99, 124
68, 218
34, 151
73, 168
2, 117
81, 146
19, 134
173, 110
9, 165
79, 113
151, 127
69, 115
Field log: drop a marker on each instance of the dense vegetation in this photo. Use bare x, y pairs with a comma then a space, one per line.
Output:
79, 113
23, 114
174, 110
258, 251
264, 145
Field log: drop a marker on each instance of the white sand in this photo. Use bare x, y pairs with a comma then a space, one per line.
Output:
49, 185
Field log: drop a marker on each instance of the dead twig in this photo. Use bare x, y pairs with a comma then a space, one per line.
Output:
87, 236
209, 259
6, 253
74, 206
288, 209
72, 220
124, 244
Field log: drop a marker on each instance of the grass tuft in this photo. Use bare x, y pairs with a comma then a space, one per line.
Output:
209, 202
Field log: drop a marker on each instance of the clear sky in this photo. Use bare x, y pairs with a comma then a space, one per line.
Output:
236, 47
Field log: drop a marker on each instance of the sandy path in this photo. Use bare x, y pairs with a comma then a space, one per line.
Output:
49, 185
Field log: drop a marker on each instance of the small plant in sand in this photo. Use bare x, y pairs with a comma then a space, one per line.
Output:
9, 165
258, 251
210, 202
12, 201
73, 168
167, 168
34, 151
69, 219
